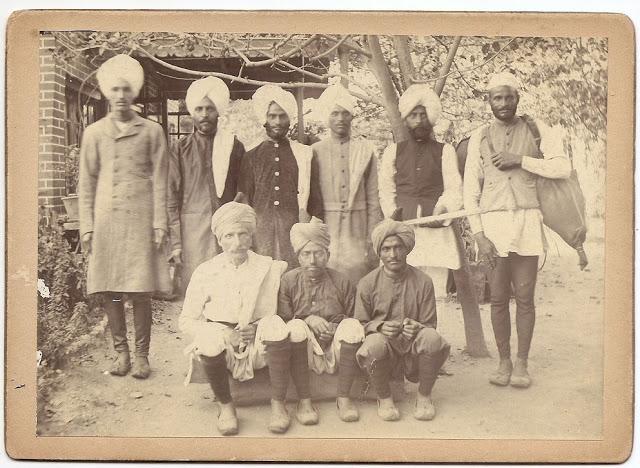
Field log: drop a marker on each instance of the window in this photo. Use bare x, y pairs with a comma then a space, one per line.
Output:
179, 122
81, 110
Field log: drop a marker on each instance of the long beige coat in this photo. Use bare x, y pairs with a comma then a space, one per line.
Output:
122, 199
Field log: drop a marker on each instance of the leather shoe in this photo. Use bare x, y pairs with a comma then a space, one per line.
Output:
121, 365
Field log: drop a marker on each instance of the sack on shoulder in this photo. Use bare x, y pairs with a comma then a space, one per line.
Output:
562, 203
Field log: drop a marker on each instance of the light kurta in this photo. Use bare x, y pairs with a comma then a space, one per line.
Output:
512, 230
349, 184
195, 194
122, 198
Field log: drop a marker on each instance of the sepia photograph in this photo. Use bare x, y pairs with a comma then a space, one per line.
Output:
307, 235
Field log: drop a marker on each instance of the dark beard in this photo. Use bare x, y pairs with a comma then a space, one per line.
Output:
420, 133
278, 135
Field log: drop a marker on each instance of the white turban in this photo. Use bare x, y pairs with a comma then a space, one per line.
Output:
265, 95
233, 213
120, 67
211, 87
504, 79
335, 95
420, 95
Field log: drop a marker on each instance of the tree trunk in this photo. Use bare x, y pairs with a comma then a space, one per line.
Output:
389, 97
299, 101
476, 346
407, 69
446, 66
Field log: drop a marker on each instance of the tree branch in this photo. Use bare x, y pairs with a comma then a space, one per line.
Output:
380, 70
349, 45
446, 66
407, 69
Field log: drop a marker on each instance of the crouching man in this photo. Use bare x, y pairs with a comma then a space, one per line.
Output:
396, 304
230, 308
317, 304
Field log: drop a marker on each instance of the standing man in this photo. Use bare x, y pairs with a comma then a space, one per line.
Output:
502, 166
203, 174
420, 175
397, 306
349, 186
123, 210
317, 304
279, 176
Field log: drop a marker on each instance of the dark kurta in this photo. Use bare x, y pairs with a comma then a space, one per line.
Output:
269, 177
122, 193
382, 298
418, 179
192, 198
332, 297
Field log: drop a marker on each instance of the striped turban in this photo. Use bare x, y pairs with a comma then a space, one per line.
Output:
233, 213
314, 231
389, 227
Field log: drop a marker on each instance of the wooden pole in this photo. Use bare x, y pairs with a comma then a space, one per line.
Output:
300, 102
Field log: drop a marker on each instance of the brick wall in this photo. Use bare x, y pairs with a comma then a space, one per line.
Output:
52, 138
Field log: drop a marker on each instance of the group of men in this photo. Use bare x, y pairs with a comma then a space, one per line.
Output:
295, 258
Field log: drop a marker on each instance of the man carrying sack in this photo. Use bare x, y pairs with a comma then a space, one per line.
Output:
500, 177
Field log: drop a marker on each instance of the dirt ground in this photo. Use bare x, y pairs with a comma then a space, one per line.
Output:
564, 402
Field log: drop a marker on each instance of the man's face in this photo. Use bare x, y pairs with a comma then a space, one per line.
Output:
393, 254
418, 123
340, 121
236, 240
277, 124
504, 102
313, 258
205, 116
120, 96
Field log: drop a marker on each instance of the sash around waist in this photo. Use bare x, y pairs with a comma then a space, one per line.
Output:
337, 206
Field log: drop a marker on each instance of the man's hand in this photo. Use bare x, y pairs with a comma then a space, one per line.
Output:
505, 160
328, 336
158, 237
248, 333
438, 210
318, 325
86, 242
410, 328
176, 257
391, 328
486, 250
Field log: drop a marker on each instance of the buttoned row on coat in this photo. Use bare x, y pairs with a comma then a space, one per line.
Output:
122, 192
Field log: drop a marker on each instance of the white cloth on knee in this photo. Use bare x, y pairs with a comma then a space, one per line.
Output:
213, 338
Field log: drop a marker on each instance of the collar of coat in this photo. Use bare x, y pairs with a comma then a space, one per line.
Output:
112, 130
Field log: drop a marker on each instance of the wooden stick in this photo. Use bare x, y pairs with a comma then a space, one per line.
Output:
444, 216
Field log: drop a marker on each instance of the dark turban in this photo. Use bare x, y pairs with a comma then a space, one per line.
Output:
389, 227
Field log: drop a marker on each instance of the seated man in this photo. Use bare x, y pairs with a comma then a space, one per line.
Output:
316, 302
230, 308
396, 304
